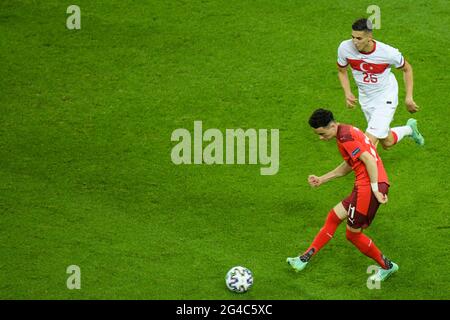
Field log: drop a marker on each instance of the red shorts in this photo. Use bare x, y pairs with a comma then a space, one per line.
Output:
361, 205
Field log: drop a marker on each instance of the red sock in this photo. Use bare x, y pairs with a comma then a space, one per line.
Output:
325, 234
366, 246
395, 136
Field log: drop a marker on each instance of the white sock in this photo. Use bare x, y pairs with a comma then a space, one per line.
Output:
401, 132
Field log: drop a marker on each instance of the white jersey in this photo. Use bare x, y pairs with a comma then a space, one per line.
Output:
371, 70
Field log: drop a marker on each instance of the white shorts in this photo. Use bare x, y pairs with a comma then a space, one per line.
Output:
379, 113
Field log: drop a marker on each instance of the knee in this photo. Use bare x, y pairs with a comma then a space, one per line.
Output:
386, 145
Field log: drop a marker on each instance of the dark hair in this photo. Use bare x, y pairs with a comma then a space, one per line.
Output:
362, 25
321, 118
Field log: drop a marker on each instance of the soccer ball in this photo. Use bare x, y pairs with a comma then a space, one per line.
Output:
239, 279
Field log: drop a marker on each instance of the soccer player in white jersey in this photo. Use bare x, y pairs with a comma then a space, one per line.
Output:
370, 62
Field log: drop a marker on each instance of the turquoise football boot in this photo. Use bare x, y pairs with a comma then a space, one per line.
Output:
416, 135
296, 263
383, 274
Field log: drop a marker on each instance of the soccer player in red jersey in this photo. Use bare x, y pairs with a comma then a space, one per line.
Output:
370, 62
359, 208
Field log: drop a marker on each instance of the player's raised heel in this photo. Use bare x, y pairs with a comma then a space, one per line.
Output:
416, 135
383, 274
296, 263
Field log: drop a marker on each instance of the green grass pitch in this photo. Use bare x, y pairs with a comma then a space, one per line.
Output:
86, 176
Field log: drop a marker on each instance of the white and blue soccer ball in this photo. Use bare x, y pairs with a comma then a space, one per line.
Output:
239, 279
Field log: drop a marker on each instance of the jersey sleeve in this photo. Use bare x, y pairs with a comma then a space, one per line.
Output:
354, 149
341, 57
396, 58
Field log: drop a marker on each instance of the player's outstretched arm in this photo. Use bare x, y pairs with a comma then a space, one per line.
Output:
340, 171
372, 169
345, 83
408, 78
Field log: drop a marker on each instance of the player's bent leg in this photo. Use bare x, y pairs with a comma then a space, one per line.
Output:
389, 141
400, 132
378, 127
366, 246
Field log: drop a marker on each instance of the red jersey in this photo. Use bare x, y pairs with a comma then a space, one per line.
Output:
352, 142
